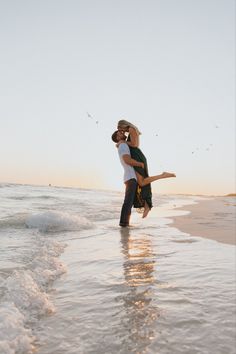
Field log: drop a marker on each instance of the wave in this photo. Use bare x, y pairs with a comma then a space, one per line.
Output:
38, 197
48, 221
13, 335
54, 221
4, 185
14, 221
25, 298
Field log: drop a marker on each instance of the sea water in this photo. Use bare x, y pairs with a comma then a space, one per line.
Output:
72, 281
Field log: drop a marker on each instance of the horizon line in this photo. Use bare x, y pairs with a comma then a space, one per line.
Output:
112, 190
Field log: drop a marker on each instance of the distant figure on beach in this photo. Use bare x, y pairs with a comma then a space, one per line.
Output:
133, 179
144, 181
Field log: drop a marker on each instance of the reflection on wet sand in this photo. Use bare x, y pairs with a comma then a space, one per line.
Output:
140, 311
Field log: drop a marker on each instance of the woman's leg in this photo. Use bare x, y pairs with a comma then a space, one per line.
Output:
143, 181
146, 210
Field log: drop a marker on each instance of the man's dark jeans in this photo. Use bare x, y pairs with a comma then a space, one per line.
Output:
130, 190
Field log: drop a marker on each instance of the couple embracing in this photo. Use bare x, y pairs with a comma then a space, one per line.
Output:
137, 181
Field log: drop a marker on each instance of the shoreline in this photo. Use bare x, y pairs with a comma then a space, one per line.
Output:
207, 219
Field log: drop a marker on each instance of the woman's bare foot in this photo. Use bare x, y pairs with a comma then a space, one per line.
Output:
146, 210
167, 175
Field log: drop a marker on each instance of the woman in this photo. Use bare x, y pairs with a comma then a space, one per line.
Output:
144, 181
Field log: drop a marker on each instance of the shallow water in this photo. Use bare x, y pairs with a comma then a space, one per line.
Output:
72, 281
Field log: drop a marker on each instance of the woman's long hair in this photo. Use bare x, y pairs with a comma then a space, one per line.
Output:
126, 124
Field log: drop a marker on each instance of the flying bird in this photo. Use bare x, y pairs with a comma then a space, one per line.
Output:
89, 115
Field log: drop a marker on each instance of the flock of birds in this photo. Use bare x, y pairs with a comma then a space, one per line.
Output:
193, 152
208, 147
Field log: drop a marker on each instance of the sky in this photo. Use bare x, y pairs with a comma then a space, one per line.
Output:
167, 66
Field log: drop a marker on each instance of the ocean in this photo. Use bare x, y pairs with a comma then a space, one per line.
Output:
72, 281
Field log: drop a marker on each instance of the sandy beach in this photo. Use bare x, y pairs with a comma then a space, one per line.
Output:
210, 219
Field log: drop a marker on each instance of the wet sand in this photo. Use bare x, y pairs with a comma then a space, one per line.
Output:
213, 219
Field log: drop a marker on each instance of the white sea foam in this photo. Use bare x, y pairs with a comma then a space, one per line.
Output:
14, 337
25, 298
52, 221
46, 266
26, 294
26, 288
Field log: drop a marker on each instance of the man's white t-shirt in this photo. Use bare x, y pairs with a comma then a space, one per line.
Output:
123, 149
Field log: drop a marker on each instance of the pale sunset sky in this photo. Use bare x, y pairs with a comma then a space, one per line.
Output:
167, 66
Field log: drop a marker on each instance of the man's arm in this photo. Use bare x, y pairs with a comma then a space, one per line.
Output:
128, 159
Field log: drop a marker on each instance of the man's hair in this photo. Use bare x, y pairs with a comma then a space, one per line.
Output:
114, 137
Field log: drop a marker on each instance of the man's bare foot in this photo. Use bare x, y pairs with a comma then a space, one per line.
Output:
146, 210
167, 175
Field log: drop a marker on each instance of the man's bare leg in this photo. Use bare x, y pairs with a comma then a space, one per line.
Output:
144, 181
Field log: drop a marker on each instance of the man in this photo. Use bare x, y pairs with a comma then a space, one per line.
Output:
130, 178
